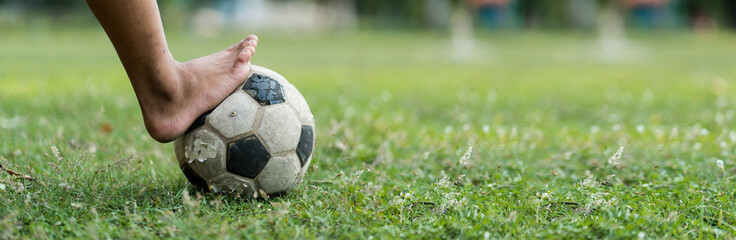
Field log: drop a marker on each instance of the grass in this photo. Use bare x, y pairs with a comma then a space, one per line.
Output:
520, 140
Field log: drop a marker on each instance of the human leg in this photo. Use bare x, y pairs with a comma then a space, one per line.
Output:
171, 94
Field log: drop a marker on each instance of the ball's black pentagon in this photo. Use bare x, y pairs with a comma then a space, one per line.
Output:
264, 89
247, 157
194, 178
306, 144
201, 120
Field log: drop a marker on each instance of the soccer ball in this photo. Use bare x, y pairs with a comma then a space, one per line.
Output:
257, 142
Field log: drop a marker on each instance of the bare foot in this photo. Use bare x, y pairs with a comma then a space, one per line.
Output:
183, 91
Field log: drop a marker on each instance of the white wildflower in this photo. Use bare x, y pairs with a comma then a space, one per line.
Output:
704, 132
464, 161
672, 217
720, 118
590, 181
641, 235
512, 216
640, 128
186, 199
568, 196
721, 101
353, 178
57, 154
263, 194
647, 95
9, 123
614, 160
444, 181
616, 127
460, 178
500, 132
486, 129
658, 132
407, 195
609, 178
386, 95
594, 129
449, 199
719, 163
546, 196
401, 199
697, 146
370, 189
492, 95
674, 133
397, 201
448, 129
567, 155
449, 196
598, 199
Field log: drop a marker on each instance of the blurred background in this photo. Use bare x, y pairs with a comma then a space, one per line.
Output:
208, 17
459, 22
506, 58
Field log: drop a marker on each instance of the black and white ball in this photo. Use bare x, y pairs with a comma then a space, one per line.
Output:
259, 140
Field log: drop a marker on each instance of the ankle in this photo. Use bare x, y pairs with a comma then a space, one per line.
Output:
162, 127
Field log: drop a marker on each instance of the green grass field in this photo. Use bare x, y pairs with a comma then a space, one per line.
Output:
544, 113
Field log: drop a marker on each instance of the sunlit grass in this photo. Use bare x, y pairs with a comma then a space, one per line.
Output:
544, 113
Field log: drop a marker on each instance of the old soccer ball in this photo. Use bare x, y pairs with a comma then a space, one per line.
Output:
257, 142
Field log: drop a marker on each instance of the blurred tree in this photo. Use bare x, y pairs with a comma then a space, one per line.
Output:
582, 14
543, 13
391, 13
429, 13
730, 9
54, 8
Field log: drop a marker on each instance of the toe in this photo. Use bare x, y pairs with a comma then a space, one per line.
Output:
242, 64
246, 53
251, 42
251, 49
251, 37
237, 46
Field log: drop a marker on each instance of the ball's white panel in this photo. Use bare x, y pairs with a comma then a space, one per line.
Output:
268, 72
205, 153
280, 129
280, 174
235, 115
179, 149
233, 184
295, 99
293, 96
